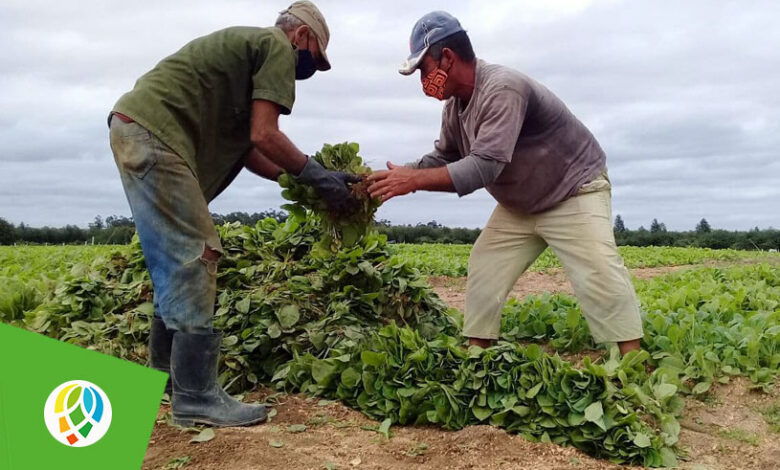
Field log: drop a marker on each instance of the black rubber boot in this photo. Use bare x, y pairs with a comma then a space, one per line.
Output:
197, 398
160, 342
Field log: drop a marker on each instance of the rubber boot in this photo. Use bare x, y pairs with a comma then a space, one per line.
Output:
197, 398
160, 341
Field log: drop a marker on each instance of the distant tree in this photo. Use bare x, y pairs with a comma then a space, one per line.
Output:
280, 216
432, 224
718, 240
383, 223
657, 227
7, 232
97, 224
703, 227
620, 227
119, 221
248, 219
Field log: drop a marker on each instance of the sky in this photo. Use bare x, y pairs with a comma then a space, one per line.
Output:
684, 97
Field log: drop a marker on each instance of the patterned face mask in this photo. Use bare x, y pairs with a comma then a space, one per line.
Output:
433, 83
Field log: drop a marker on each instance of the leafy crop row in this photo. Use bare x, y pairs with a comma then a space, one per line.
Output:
452, 260
701, 326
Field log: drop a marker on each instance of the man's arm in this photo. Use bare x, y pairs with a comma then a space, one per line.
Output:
440, 156
500, 121
500, 124
399, 180
271, 142
261, 165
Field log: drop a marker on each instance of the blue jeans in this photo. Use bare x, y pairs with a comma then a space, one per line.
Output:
179, 241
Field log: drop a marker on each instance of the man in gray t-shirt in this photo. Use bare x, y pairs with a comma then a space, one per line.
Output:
507, 133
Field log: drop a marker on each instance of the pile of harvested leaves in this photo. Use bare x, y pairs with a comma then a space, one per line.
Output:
362, 326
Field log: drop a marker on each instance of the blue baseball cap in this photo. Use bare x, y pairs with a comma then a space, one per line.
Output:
428, 30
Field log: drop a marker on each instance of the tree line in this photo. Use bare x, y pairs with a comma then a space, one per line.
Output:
119, 230
703, 235
114, 229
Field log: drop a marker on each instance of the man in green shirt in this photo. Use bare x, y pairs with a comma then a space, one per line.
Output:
179, 138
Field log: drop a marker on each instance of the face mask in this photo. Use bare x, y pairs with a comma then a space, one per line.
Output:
433, 83
305, 67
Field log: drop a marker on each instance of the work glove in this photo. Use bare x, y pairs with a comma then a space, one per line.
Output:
330, 185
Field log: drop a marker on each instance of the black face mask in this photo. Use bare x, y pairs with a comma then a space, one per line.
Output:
305, 67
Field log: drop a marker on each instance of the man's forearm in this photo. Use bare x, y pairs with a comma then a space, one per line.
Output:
262, 166
270, 141
434, 179
400, 180
275, 146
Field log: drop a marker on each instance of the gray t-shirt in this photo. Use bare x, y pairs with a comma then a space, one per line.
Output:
516, 139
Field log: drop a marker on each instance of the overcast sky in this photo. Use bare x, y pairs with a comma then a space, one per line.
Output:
683, 96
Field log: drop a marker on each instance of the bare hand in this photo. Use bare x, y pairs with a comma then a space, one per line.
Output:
397, 180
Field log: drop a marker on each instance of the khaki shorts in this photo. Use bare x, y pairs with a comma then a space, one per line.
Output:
579, 231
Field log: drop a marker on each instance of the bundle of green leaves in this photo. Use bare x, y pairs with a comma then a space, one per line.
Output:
339, 228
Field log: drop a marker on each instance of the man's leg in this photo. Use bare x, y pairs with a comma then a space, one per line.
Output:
174, 225
628, 346
504, 249
579, 231
181, 248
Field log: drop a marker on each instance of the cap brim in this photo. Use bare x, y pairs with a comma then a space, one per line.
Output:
412, 63
322, 61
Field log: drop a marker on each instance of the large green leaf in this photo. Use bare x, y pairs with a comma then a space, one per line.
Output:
288, 316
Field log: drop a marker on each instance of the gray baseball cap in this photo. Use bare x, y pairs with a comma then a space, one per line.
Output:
428, 30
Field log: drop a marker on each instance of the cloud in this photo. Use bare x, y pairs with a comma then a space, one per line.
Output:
683, 97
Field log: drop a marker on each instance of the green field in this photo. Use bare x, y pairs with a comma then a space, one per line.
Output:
452, 260
362, 326
29, 274
32, 262
26, 262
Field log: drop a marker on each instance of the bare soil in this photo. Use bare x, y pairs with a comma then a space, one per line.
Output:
453, 289
725, 431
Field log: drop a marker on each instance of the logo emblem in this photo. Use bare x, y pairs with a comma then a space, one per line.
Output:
77, 413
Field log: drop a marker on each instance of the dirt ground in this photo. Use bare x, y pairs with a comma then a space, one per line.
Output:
453, 289
727, 430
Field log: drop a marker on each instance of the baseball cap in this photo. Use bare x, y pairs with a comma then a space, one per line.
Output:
428, 30
311, 16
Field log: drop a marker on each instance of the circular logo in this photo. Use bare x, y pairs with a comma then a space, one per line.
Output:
77, 413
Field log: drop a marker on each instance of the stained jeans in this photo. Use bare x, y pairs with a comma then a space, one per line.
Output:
174, 225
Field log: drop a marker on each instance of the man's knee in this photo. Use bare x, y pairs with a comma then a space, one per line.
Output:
210, 258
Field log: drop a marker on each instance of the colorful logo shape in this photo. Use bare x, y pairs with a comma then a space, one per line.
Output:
77, 413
